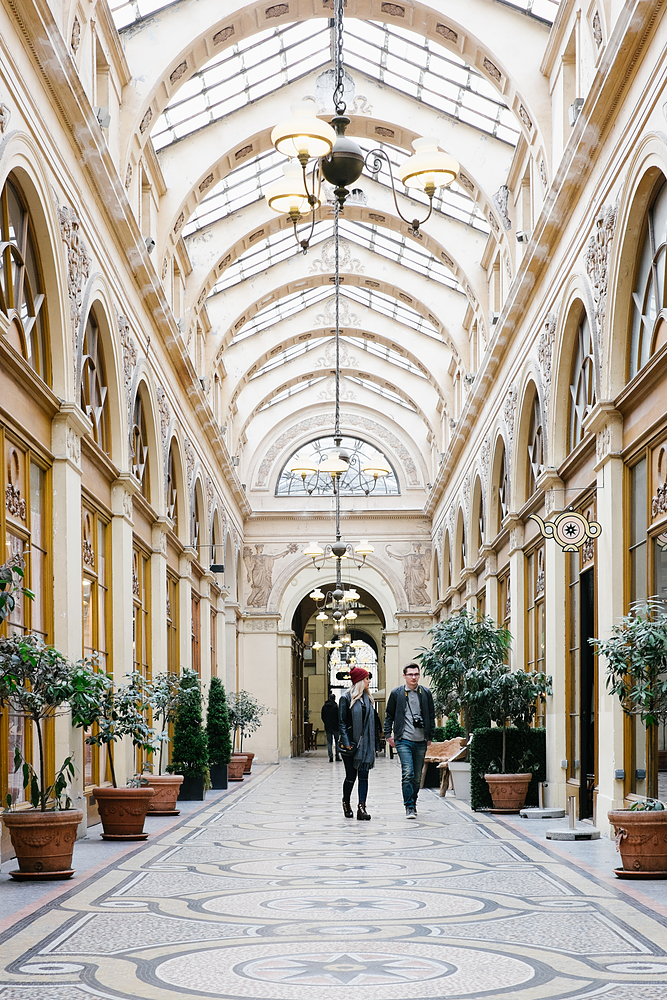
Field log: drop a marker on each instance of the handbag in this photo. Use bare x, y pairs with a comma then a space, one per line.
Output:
350, 751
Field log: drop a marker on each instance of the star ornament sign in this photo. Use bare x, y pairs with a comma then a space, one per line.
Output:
569, 529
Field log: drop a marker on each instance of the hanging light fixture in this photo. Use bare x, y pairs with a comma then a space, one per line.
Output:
341, 160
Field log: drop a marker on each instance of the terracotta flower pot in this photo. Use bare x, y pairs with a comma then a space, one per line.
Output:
43, 841
123, 811
235, 768
508, 791
166, 788
641, 837
249, 759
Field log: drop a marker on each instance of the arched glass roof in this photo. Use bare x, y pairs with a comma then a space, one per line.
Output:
360, 344
355, 482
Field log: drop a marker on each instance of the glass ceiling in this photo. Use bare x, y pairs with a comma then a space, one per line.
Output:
296, 302
281, 246
354, 482
398, 58
358, 344
363, 383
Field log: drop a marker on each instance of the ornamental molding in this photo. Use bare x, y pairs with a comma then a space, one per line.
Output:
500, 200
413, 624
345, 315
78, 267
484, 459
598, 251
326, 262
545, 350
328, 359
190, 461
261, 624
165, 415
346, 392
509, 413
5, 115
130, 357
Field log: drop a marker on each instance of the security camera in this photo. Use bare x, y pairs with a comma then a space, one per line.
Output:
103, 116
522, 237
150, 244
469, 377
574, 110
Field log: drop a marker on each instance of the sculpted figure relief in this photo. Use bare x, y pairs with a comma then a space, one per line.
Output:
417, 572
259, 568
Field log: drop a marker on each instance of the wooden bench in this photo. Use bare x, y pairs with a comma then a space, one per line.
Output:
440, 754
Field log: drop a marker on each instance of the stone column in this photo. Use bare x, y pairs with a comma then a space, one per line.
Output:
66, 431
556, 653
259, 676
491, 580
469, 579
284, 693
392, 665
412, 630
607, 424
205, 627
185, 609
232, 614
159, 595
517, 591
122, 491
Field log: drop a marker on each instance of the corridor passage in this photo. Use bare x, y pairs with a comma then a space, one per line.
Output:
268, 892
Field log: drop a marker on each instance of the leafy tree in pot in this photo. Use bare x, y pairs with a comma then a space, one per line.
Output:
636, 655
35, 681
462, 648
114, 710
189, 754
218, 725
512, 697
164, 702
245, 714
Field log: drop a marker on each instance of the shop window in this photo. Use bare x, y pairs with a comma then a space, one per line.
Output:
214, 642
535, 448
140, 467
94, 401
535, 634
195, 624
648, 297
95, 614
22, 298
504, 599
173, 655
141, 626
582, 386
24, 534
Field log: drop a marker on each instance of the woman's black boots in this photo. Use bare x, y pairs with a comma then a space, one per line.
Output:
361, 811
347, 809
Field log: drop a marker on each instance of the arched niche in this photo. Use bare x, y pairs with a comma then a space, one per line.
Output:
198, 539
529, 445
144, 449
460, 548
99, 337
645, 174
176, 494
500, 491
446, 564
477, 527
577, 309
21, 160
217, 538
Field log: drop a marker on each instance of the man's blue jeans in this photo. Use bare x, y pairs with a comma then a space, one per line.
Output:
411, 755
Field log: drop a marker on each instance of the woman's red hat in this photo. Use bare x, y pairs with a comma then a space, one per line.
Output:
358, 674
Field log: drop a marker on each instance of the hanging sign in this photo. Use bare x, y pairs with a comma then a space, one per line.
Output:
569, 529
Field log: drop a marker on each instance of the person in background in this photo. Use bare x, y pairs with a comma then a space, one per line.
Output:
358, 739
329, 715
410, 713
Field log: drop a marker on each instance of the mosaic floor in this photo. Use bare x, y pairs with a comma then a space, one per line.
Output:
270, 893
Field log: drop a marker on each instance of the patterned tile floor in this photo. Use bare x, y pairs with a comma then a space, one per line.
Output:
268, 892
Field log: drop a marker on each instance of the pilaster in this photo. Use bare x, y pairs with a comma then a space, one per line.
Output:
412, 630
159, 638
205, 630
517, 591
232, 615
284, 694
259, 670
490, 556
188, 556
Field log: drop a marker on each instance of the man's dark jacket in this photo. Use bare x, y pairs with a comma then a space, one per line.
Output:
330, 716
396, 708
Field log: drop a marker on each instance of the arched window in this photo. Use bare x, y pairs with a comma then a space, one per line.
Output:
94, 401
503, 486
140, 447
22, 297
649, 292
196, 523
535, 448
582, 386
172, 489
353, 483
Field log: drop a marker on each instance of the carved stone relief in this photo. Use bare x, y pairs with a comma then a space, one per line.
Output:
5, 115
130, 355
328, 360
545, 350
78, 267
416, 572
326, 262
597, 264
165, 415
259, 570
346, 392
345, 315
190, 460
484, 460
415, 624
500, 200
75, 40
509, 412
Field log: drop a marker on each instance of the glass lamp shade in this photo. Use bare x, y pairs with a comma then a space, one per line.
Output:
317, 645
364, 548
288, 194
351, 595
329, 644
335, 463
313, 550
322, 617
351, 615
376, 467
428, 168
358, 643
303, 134
316, 595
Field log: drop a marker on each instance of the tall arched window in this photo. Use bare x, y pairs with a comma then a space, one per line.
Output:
196, 523
355, 482
504, 486
649, 291
140, 447
535, 448
22, 298
94, 402
172, 489
582, 386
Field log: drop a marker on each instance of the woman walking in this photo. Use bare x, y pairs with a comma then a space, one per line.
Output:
357, 739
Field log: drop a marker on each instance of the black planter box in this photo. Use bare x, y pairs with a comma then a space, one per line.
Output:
218, 775
192, 788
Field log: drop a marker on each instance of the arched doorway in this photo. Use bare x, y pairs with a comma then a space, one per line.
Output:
320, 668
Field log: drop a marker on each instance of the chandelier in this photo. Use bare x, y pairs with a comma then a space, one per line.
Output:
334, 156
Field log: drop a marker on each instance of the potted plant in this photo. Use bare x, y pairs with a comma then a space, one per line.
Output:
189, 753
461, 648
636, 655
217, 731
245, 717
511, 697
164, 701
111, 712
35, 681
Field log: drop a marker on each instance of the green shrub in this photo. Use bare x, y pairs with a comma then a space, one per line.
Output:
217, 724
451, 729
190, 746
526, 751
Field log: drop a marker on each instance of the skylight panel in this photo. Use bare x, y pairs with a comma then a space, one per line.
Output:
382, 391
292, 391
290, 354
282, 309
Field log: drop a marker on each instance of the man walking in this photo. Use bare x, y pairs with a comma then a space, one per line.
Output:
329, 715
410, 713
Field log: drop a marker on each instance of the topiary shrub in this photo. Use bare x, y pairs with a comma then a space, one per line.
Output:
189, 755
217, 725
526, 750
452, 728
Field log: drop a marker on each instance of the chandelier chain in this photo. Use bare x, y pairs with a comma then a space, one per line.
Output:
339, 72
